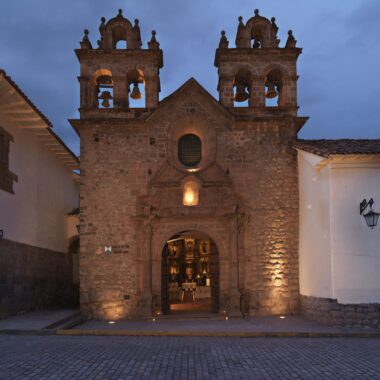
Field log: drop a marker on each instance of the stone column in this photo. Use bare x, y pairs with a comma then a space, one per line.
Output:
257, 96
151, 92
120, 93
226, 91
146, 268
234, 291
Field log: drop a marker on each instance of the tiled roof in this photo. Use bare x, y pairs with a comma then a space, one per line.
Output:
326, 148
49, 136
26, 98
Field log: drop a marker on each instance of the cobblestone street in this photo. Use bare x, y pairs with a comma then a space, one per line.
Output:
57, 357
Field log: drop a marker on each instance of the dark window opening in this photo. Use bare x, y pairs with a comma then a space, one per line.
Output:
190, 150
6, 176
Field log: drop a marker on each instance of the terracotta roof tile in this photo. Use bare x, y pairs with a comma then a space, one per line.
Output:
326, 148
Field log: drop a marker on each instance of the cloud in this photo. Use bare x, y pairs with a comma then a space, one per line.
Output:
338, 85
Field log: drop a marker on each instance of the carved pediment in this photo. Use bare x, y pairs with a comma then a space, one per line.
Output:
191, 98
217, 196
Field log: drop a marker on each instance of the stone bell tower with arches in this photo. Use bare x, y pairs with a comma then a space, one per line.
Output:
159, 175
119, 75
258, 74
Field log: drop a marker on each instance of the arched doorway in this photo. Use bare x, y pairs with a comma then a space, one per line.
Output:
190, 274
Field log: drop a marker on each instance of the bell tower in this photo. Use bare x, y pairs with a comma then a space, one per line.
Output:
118, 76
258, 74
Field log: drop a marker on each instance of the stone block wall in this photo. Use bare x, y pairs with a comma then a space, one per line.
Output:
329, 311
32, 278
262, 165
118, 164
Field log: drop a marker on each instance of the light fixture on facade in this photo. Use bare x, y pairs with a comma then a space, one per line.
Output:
190, 193
371, 217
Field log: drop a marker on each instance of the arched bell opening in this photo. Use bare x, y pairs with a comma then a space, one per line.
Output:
103, 89
256, 38
119, 37
136, 88
121, 45
274, 89
242, 88
190, 274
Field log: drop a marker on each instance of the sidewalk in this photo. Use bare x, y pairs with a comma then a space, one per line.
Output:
68, 322
36, 320
217, 326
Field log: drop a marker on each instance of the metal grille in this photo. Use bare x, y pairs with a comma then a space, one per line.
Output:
190, 150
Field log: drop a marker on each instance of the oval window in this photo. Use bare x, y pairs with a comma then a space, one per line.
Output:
190, 150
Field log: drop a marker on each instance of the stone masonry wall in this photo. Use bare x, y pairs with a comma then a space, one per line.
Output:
262, 164
117, 163
114, 173
32, 278
327, 310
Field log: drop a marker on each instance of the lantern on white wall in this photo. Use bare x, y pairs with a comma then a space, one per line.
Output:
371, 217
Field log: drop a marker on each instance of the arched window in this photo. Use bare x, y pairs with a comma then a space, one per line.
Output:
190, 150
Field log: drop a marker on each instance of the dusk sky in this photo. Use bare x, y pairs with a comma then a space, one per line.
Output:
339, 85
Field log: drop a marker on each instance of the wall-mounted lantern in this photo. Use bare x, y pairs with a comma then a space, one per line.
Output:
371, 217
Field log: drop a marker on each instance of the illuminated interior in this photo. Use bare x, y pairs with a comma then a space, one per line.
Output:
190, 193
190, 274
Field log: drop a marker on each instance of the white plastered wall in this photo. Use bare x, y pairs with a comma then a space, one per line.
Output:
44, 194
315, 239
339, 254
355, 247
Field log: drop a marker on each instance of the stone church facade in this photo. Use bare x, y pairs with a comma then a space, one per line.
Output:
133, 179
188, 172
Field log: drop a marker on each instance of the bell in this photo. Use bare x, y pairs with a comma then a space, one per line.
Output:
106, 97
256, 44
241, 94
136, 94
271, 92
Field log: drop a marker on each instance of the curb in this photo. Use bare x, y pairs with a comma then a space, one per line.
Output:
79, 332
27, 332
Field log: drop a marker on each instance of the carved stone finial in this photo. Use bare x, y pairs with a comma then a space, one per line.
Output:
239, 40
256, 12
291, 42
274, 25
153, 44
223, 44
86, 43
137, 32
120, 13
102, 26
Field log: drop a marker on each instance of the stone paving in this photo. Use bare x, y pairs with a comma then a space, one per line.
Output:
58, 357
181, 324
